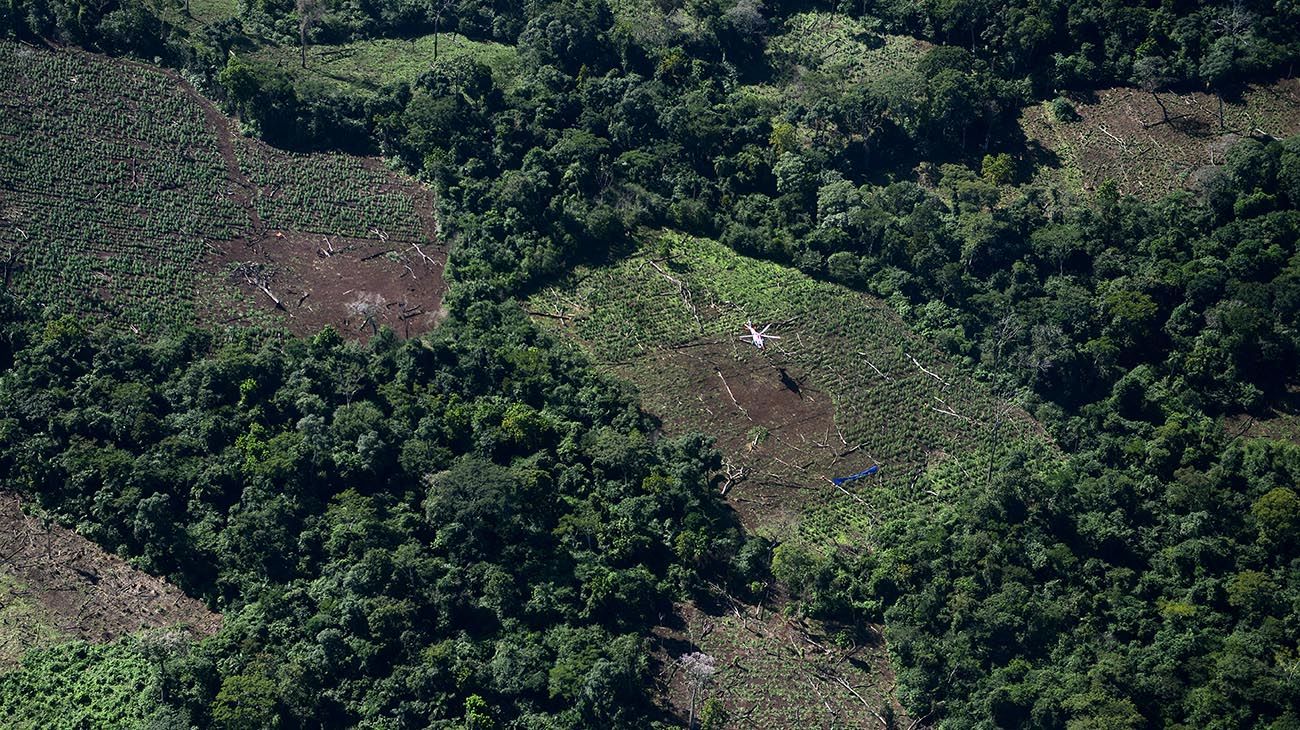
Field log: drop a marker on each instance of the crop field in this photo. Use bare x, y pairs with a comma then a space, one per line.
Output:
81, 685
366, 66
1121, 135
106, 208
153, 214
204, 12
24, 624
331, 194
847, 386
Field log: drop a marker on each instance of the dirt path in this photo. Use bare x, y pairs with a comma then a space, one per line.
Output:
85, 591
242, 188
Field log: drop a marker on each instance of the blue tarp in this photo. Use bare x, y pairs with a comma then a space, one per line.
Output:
868, 472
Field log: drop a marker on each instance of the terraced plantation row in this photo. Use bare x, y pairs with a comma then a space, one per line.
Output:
329, 194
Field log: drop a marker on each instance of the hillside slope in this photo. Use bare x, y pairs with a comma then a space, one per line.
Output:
846, 387
64, 585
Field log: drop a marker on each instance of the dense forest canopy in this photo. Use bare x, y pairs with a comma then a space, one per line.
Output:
470, 528
476, 529
1054, 44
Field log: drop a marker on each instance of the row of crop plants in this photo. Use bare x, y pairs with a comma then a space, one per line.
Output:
327, 193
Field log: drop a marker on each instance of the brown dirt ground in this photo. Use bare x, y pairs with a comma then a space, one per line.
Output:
84, 591
1282, 421
304, 281
357, 285
768, 488
1120, 135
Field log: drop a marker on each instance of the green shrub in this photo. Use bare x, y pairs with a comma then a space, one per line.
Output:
1063, 111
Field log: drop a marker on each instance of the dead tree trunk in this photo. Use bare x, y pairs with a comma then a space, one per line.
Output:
309, 11
1164, 112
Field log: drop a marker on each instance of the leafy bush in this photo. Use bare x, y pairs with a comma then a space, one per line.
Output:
1063, 111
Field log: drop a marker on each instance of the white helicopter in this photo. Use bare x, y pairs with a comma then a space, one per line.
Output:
758, 337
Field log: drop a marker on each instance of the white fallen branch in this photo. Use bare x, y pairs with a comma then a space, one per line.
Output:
873, 367
861, 699
927, 372
733, 395
852, 496
733, 475
683, 292
950, 413
1106, 132
947, 410
427, 259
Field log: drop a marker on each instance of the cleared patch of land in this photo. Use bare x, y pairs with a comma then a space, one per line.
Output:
1122, 135
336, 240
313, 280
211, 11
849, 50
769, 671
368, 65
68, 587
760, 414
127, 196
847, 386
1281, 421
24, 623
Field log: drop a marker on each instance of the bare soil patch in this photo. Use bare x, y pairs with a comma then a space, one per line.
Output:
306, 280
1281, 421
772, 423
84, 591
309, 280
